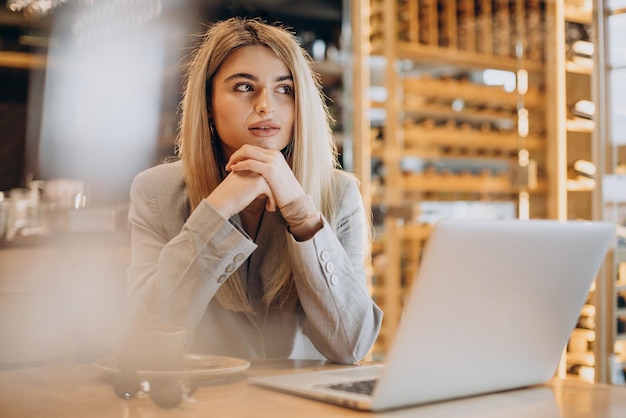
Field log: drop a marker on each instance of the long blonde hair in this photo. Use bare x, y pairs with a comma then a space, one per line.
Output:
313, 155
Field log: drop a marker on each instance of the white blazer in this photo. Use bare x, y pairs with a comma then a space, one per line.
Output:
179, 261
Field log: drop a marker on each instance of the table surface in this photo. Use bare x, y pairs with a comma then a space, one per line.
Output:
82, 390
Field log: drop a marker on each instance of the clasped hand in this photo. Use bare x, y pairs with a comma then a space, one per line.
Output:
254, 172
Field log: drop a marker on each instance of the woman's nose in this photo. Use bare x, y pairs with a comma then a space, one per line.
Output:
264, 103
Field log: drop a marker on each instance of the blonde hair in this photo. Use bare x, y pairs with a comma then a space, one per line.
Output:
313, 155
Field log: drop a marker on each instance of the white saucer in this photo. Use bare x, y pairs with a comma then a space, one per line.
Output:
194, 367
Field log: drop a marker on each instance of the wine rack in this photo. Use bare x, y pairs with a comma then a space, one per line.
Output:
450, 143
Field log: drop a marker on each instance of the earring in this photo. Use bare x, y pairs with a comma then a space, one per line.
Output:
213, 131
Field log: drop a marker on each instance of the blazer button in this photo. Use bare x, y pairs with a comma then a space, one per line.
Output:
238, 258
334, 280
330, 267
222, 278
325, 255
230, 268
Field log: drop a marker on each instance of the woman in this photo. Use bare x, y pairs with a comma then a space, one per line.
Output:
253, 240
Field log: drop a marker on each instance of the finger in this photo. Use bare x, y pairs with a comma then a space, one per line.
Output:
254, 166
270, 203
280, 179
264, 162
247, 152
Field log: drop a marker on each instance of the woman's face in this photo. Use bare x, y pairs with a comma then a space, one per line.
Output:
253, 100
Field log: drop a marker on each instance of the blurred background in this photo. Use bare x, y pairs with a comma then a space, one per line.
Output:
89, 95
93, 86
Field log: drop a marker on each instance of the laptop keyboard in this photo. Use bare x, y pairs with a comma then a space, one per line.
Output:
364, 387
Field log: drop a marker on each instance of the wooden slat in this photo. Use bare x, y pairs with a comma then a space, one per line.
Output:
22, 60
414, 23
471, 93
468, 138
484, 30
502, 29
467, 59
433, 28
466, 31
450, 26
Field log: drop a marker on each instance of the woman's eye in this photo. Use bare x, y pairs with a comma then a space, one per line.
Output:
243, 87
285, 89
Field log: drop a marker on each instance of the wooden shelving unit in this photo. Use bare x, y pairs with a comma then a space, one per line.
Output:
441, 138
579, 189
581, 140
448, 140
611, 22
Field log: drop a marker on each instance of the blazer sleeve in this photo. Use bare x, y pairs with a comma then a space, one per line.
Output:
173, 279
342, 321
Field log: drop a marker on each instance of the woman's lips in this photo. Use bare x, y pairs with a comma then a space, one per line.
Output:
266, 128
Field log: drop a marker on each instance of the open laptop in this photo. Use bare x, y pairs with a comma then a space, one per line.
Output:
491, 309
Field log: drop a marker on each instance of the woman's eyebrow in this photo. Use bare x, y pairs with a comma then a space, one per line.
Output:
240, 75
254, 78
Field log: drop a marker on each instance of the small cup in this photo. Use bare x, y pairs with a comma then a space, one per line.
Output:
159, 348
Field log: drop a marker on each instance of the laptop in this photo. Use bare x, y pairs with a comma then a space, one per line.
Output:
491, 309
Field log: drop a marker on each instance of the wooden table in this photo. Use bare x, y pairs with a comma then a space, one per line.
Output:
61, 297
80, 390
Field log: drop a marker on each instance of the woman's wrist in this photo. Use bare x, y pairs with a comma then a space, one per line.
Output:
219, 205
302, 217
306, 230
